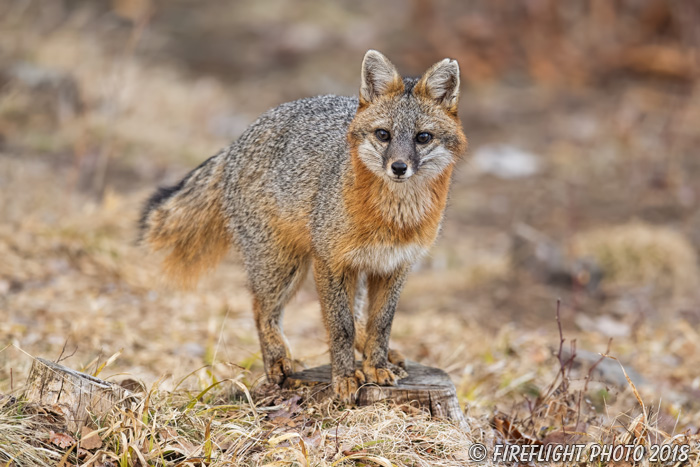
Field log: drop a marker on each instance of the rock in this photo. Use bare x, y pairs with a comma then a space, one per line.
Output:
540, 255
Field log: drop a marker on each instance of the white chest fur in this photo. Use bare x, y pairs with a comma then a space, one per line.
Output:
384, 258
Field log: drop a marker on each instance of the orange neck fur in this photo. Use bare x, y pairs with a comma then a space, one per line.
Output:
383, 214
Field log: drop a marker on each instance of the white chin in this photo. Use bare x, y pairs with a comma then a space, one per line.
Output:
401, 179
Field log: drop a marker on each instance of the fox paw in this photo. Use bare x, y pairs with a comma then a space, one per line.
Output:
397, 358
399, 370
279, 370
345, 387
383, 376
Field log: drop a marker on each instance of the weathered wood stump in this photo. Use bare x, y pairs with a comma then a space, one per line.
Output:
76, 395
427, 388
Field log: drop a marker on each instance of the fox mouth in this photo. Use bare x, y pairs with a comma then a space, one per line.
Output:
399, 179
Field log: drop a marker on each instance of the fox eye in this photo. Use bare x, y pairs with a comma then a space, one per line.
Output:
423, 138
382, 135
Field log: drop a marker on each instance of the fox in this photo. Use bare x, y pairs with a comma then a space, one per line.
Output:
354, 188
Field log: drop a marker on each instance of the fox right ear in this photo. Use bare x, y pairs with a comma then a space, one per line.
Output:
441, 83
379, 77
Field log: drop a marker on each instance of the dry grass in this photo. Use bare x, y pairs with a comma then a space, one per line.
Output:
642, 255
175, 429
225, 425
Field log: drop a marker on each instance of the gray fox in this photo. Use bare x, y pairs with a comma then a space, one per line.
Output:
355, 188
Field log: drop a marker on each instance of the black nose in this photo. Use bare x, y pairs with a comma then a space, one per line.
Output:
399, 168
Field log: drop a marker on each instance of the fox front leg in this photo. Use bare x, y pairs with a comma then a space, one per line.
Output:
335, 292
378, 365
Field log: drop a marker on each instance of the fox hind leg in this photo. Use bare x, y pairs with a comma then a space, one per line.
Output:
274, 283
359, 310
397, 358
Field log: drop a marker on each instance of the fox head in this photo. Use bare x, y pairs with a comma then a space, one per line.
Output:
406, 130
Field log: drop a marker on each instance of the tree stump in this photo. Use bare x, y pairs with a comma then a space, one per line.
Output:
427, 388
76, 395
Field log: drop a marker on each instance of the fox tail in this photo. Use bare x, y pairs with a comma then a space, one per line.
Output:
188, 222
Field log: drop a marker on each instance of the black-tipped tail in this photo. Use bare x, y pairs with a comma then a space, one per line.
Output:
187, 221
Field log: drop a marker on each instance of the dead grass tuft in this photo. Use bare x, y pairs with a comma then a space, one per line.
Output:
639, 254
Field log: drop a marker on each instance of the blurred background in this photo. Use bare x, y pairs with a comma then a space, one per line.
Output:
582, 182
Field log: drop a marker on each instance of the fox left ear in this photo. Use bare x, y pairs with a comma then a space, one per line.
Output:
441, 83
379, 77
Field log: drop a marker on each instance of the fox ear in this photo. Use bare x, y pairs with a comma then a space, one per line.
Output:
379, 77
441, 83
